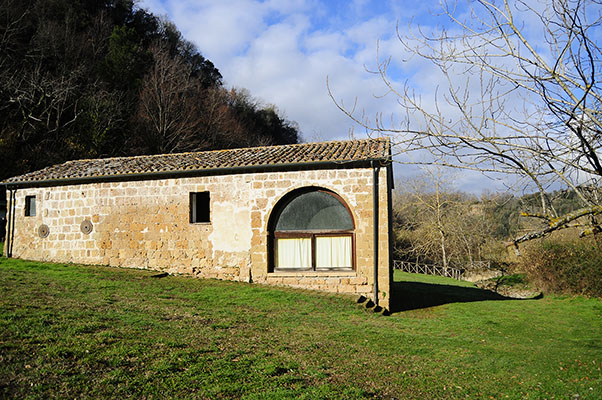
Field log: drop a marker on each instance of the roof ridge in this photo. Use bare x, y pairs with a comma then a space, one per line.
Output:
334, 152
227, 150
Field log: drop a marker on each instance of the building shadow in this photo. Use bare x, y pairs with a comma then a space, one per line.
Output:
407, 296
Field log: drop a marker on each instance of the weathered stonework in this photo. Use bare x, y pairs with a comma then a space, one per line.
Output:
145, 224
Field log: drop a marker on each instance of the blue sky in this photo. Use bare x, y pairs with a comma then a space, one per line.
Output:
283, 52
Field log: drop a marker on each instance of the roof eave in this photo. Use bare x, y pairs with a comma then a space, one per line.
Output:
138, 176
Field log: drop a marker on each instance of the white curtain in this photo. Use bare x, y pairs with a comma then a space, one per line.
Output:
293, 253
333, 252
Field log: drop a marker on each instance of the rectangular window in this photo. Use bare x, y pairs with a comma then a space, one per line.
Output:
294, 253
199, 207
313, 251
333, 252
30, 206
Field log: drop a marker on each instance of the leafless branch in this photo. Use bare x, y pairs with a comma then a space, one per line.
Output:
520, 94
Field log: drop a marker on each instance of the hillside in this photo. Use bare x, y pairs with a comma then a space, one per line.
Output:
89, 79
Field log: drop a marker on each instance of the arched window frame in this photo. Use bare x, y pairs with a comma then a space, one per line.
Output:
274, 234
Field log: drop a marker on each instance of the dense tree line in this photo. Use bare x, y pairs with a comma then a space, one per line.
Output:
435, 224
98, 78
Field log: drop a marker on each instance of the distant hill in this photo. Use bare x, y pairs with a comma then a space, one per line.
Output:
90, 78
506, 210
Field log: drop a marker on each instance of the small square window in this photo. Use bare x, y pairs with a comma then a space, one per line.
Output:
30, 206
199, 207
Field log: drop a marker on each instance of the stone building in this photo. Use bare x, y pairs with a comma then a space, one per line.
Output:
315, 215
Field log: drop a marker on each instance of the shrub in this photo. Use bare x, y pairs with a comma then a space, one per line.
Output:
564, 264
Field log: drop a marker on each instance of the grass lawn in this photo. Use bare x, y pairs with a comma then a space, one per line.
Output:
70, 331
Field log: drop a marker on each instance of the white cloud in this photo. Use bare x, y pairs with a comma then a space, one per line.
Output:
154, 6
221, 29
280, 52
283, 52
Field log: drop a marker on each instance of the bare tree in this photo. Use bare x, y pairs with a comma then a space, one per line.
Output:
105, 111
521, 95
217, 118
12, 25
170, 103
435, 223
471, 230
45, 103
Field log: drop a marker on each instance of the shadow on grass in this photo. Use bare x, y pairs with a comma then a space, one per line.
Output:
407, 296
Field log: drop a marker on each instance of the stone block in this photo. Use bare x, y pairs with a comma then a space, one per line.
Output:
261, 203
358, 280
346, 288
256, 222
363, 289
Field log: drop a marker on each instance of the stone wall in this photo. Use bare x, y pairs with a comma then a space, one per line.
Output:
145, 224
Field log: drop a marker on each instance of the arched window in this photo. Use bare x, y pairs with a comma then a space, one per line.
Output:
312, 229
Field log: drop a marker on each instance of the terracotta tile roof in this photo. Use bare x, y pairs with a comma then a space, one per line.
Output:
206, 161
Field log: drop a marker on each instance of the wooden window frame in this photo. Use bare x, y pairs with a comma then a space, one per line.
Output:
274, 235
313, 235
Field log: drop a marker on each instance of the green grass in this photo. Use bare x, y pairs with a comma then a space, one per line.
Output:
69, 331
511, 280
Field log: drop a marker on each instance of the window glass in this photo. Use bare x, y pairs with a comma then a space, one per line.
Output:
313, 231
30, 206
293, 253
314, 211
333, 252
